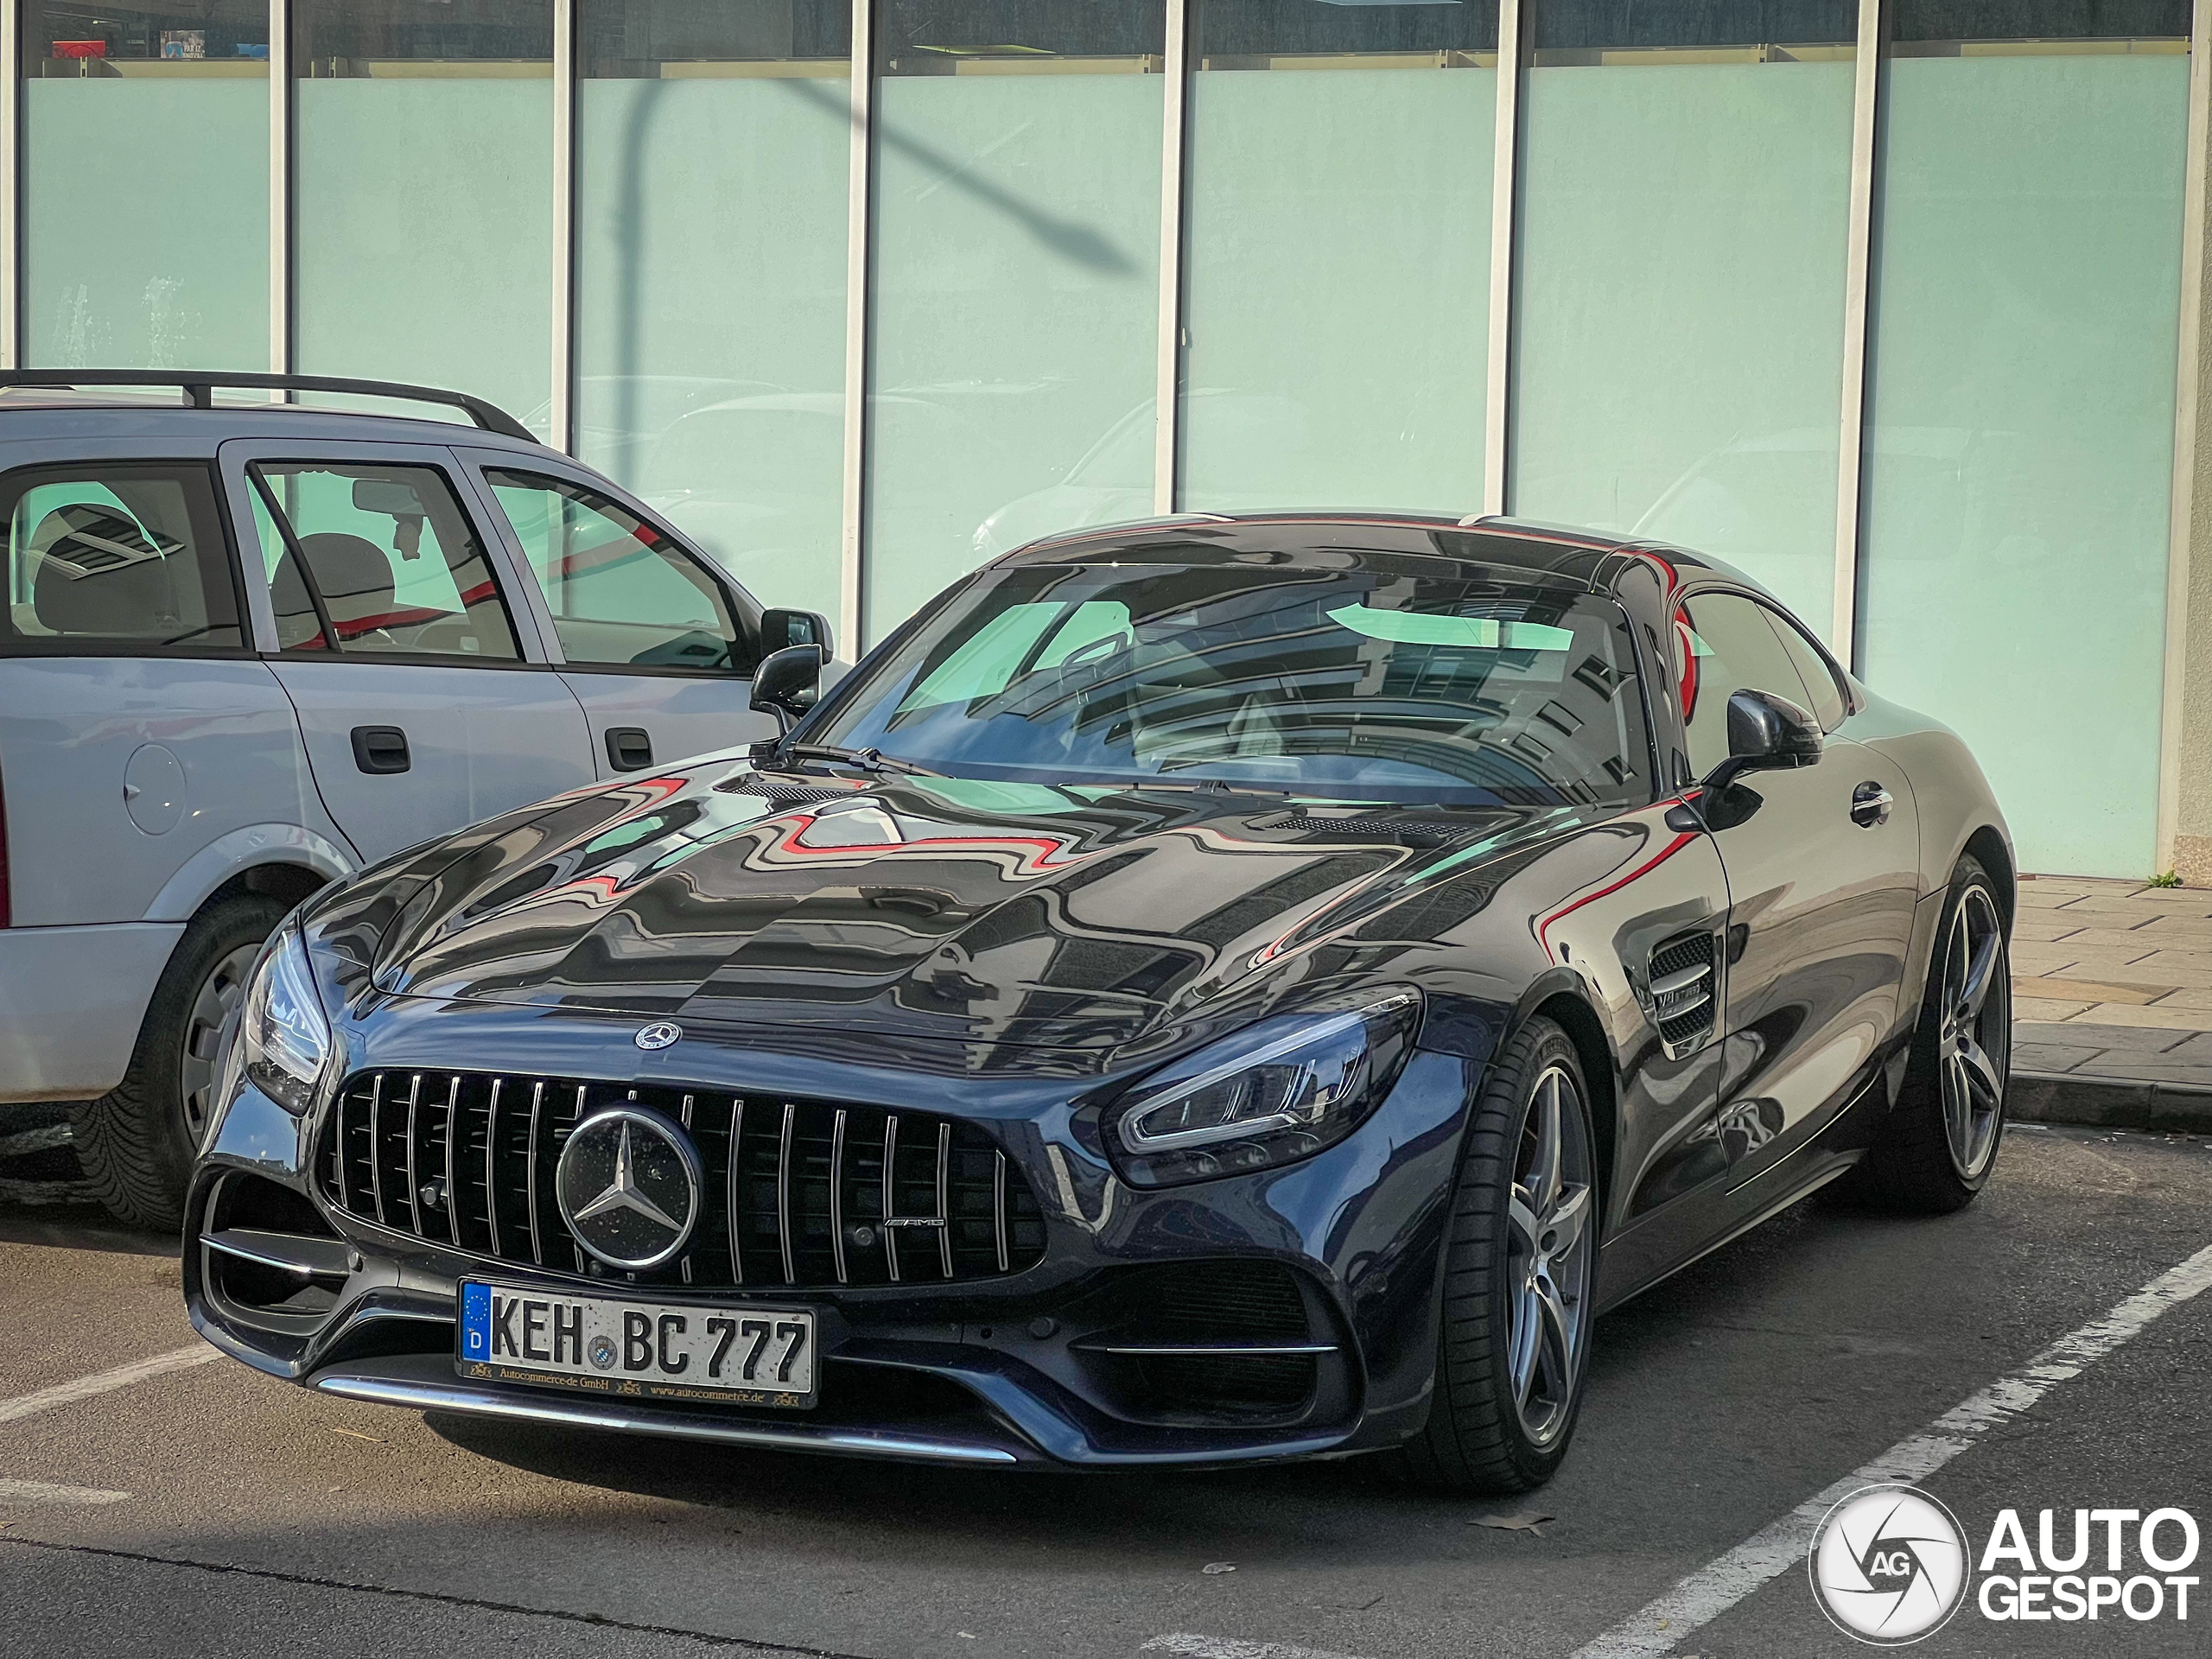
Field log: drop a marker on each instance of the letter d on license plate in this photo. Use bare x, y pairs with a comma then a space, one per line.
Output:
655, 1350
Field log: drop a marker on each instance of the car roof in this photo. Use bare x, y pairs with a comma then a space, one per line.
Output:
1561, 552
41, 413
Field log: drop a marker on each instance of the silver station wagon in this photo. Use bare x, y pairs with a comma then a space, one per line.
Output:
253, 646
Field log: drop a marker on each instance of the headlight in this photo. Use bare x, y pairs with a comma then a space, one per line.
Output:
1278, 1091
283, 1041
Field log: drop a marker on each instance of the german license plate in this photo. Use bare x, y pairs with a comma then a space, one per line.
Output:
652, 1351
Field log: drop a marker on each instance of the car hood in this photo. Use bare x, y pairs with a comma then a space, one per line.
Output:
986, 912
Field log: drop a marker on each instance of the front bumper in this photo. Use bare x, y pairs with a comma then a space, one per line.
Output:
1021, 1368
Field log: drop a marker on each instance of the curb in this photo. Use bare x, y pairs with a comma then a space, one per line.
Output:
2108, 1102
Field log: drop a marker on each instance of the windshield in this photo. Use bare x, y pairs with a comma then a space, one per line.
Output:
1362, 677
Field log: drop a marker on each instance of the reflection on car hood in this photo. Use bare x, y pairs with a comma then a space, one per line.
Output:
1006, 913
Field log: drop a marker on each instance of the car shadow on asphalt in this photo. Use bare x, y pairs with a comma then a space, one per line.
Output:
78, 1227
44, 1198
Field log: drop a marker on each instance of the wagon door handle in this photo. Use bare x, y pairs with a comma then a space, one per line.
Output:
629, 748
378, 749
1870, 804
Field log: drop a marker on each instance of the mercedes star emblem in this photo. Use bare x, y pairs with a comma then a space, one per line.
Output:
629, 1184
659, 1035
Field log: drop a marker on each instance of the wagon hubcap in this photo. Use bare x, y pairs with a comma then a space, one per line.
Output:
203, 1033
1974, 1032
1548, 1257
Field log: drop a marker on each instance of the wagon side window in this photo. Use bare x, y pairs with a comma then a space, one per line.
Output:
117, 557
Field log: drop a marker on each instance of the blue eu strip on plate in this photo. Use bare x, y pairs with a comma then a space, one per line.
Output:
475, 1321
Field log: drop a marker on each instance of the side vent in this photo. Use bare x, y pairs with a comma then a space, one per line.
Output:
1682, 986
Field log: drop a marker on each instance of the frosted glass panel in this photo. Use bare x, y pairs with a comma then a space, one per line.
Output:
1016, 314
425, 233
146, 187
710, 337
1338, 283
1680, 357
2021, 408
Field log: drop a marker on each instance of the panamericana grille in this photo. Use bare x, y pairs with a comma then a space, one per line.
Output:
796, 1192
1682, 987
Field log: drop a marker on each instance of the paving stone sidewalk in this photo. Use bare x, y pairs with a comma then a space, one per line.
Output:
2111, 985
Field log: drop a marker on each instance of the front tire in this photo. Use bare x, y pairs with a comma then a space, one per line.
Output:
1520, 1269
137, 1142
1936, 1150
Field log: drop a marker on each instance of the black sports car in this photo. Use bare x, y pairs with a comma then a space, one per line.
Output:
1202, 991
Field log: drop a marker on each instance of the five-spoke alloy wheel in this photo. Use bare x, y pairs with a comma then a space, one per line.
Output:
1518, 1280
1974, 1034
1549, 1256
1933, 1151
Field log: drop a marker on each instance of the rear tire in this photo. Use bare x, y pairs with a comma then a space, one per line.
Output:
1936, 1149
1520, 1269
138, 1141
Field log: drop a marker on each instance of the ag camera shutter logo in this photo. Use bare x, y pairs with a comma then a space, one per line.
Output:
1889, 1564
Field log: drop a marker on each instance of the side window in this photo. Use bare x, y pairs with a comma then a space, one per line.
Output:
621, 594
1723, 645
1828, 703
117, 556
391, 566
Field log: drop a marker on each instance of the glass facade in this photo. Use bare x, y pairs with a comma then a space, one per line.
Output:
2021, 403
1678, 363
1676, 298
712, 142
145, 133
422, 193
1337, 257
1015, 278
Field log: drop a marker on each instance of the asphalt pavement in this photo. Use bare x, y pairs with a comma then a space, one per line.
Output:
204, 1509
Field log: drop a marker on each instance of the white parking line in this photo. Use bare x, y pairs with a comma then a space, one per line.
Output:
38, 1492
1710, 1592
29, 1405
1229, 1647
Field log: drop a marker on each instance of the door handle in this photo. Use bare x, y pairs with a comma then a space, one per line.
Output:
1870, 804
629, 748
379, 749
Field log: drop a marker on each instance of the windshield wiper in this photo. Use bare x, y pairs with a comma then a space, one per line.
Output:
873, 760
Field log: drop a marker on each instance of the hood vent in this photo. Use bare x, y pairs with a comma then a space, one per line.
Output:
753, 783
1421, 832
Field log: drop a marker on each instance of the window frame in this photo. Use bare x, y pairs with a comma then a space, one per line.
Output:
235, 458
836, 703
744, 610
1679, 603
1844, 690
14, 488
335, 649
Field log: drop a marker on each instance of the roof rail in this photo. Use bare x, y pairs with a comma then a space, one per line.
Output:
199, 387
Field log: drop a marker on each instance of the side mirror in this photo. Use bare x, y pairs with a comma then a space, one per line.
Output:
784, 683
780, 630
1765, 734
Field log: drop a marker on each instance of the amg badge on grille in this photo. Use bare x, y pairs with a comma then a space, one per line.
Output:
660, 1035
629, 1184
